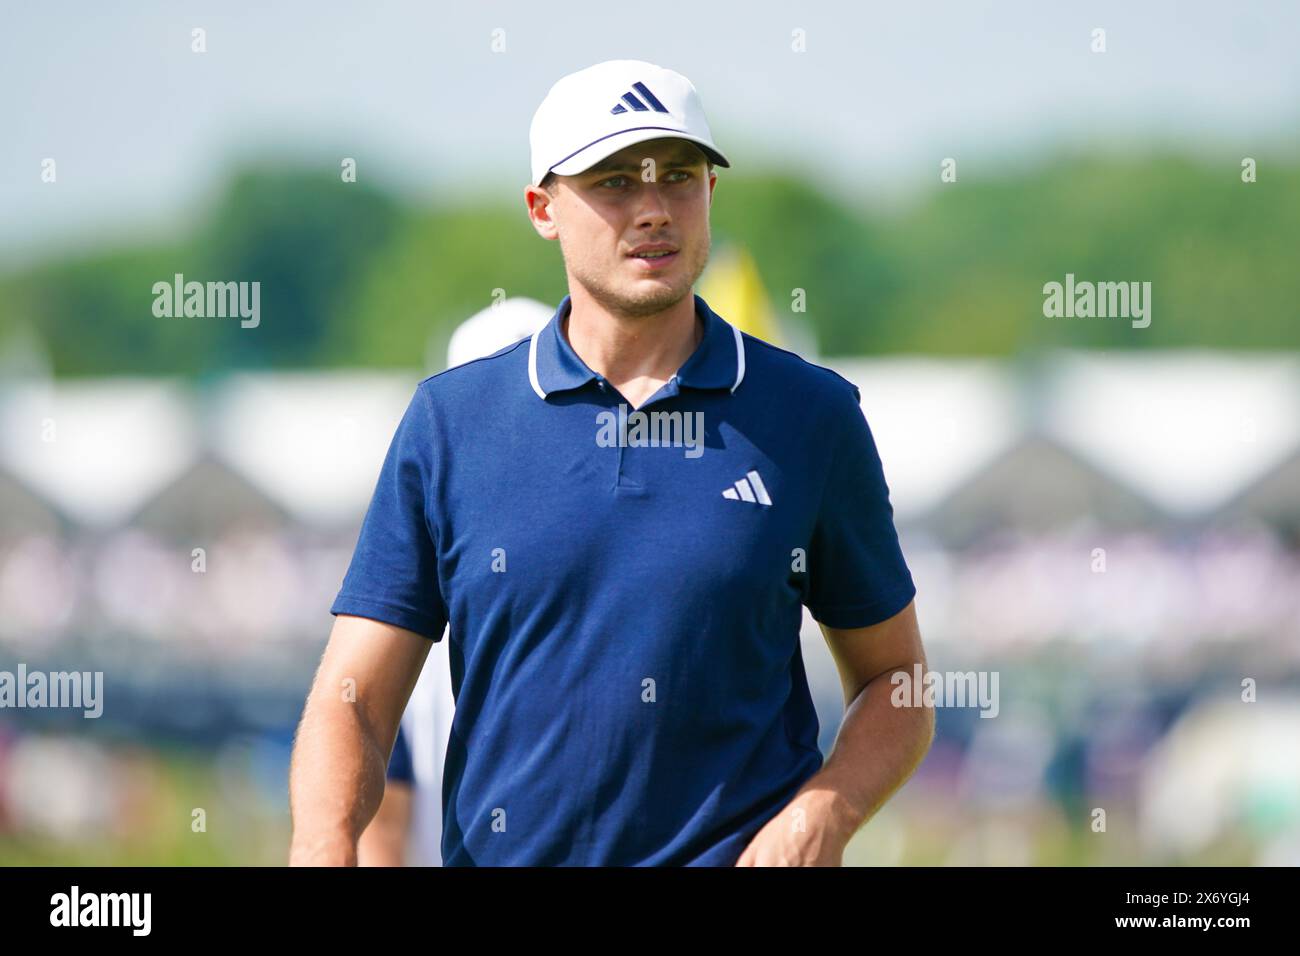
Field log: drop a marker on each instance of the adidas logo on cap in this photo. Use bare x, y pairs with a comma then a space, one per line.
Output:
630, 98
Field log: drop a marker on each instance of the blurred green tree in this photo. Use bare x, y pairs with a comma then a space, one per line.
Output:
353, 276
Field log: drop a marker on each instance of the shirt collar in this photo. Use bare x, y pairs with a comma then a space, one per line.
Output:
717, 362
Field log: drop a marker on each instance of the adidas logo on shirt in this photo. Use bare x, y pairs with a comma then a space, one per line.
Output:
750, 488
639, 103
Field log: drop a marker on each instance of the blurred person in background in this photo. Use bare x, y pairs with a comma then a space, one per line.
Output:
407, 829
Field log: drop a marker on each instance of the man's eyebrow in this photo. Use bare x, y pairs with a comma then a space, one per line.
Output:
614, 166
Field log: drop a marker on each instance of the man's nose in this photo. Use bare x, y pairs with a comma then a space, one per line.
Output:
651, 206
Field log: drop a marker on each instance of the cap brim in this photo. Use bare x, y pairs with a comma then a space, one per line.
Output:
603, 148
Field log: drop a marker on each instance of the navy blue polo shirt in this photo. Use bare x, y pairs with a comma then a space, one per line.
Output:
625, 595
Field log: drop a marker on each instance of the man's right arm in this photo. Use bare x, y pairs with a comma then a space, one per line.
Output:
341, 751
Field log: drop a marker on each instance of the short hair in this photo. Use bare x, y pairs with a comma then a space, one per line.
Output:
550, 179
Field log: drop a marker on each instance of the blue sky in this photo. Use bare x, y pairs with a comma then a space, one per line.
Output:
143, 129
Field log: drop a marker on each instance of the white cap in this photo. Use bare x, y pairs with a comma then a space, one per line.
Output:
595, 112
495, 327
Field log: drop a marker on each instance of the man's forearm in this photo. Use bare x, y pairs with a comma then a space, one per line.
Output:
878, 747
336, 783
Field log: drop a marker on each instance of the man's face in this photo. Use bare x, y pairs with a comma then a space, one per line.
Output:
601, 216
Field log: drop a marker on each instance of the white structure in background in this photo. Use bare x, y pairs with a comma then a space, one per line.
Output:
1187, 430
935, 422
277, 469
1188, 433
312, 441
427, 721
97, 450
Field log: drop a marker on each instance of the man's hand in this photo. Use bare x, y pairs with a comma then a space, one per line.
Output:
322, 851
810, 831
878, 748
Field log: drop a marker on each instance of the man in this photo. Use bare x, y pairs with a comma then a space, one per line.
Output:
624, 614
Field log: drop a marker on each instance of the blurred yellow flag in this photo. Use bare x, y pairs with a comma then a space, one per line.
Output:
732, 287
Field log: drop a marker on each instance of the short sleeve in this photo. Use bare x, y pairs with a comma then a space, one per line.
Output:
399, 764
857, 575
393, 576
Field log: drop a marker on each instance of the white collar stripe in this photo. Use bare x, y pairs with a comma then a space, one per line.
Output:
532, 364
740, 357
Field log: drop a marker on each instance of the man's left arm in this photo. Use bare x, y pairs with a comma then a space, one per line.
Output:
878, 747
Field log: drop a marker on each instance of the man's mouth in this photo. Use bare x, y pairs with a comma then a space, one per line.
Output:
654, 258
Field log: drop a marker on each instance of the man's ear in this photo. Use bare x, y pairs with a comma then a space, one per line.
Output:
541, 210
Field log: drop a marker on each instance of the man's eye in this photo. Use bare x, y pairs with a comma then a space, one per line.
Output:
683, 174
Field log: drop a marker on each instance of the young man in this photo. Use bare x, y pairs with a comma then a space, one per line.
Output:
621, 518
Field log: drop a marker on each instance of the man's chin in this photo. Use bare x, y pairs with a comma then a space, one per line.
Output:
654, 301
646, 296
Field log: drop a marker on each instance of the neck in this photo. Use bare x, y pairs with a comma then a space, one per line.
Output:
633, 350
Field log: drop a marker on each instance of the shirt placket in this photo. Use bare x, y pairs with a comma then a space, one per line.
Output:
630, 480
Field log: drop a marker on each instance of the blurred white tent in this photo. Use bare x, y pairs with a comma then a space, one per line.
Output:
1036, 485
935, 422
1273, 500
313, 442
1120, 437
206, 500
966, 443
97, 450
1187, 430
23, 512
